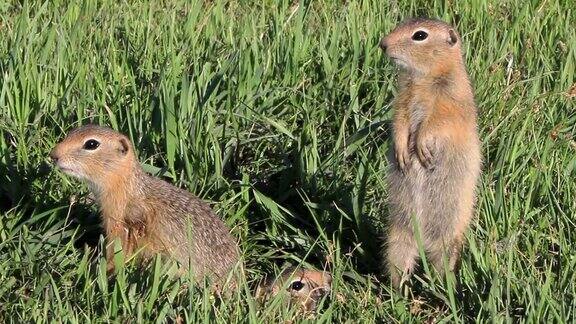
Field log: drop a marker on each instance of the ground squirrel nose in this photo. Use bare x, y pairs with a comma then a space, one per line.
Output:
54, 156
383, 44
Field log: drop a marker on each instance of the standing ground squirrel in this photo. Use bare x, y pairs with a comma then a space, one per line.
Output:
147, 214
437, 161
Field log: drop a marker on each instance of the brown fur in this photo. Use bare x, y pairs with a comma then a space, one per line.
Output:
437, 161
147, 214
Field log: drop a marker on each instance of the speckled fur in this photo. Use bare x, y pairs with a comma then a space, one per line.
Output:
147, 214
436, 159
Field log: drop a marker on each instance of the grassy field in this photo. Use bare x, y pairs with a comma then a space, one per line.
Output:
279, 115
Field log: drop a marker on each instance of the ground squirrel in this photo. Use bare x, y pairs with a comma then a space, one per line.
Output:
147, 214
437, 161
306, 287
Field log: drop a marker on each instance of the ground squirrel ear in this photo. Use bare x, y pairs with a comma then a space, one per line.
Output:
453, 38
125, 146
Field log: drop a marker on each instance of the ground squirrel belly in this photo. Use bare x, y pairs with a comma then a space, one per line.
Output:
147, 214
437, 161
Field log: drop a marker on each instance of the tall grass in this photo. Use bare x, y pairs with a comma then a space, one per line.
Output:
278, 112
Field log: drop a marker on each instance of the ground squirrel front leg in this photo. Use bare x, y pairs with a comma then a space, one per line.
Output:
117, 232
426, 146
401, 139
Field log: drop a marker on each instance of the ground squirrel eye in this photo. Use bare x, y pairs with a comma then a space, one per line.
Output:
91, 144
420, 35
297, 285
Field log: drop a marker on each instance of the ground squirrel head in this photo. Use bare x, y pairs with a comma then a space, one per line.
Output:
305, 287
94, 154
423, 46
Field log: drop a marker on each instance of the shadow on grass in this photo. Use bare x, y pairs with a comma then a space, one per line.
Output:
331, 199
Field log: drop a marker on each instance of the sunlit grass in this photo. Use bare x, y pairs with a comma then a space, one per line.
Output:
278, 114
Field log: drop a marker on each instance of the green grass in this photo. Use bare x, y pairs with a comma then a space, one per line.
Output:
279, 114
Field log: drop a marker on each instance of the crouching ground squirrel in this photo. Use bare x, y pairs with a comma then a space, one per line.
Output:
147, 214
437, 161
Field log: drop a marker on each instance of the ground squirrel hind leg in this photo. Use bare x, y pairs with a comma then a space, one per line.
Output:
456, 249
445, 245
401, 255
444, 255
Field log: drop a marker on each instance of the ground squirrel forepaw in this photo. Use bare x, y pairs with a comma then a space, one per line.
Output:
426, 153
403, 160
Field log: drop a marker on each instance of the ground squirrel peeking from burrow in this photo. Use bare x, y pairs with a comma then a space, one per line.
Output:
147, 215
305, 287
436, 160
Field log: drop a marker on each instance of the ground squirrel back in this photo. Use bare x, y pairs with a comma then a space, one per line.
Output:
147, 214
436, 160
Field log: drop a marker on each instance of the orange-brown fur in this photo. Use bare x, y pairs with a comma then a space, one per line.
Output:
146, 214
437, 161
